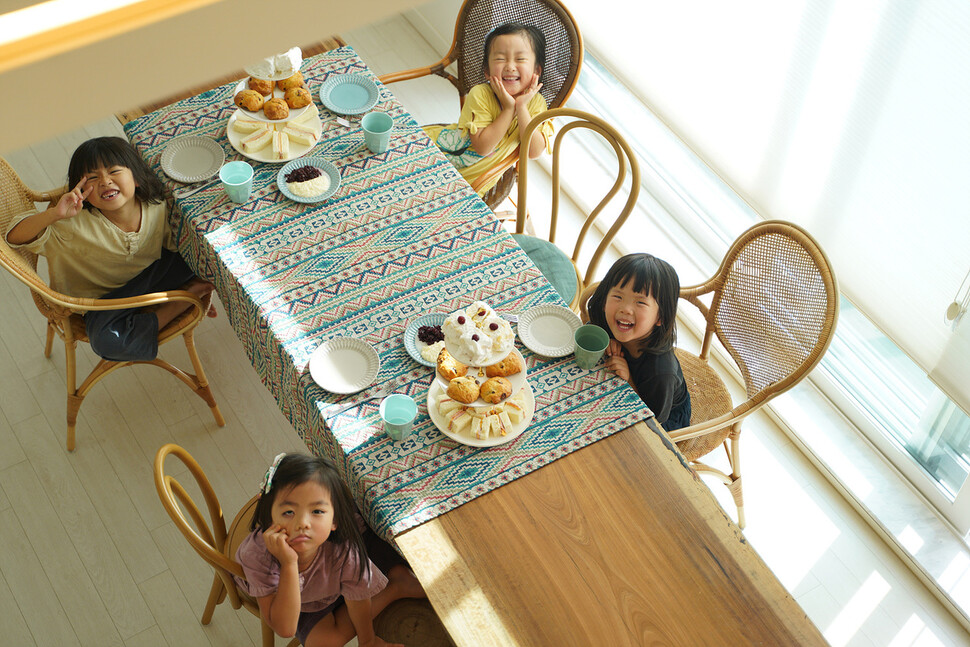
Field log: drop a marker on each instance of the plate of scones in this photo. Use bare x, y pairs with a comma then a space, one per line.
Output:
481, 426
273, 101
479, 386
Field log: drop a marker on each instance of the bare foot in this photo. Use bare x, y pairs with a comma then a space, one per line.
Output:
201, 288
401, 577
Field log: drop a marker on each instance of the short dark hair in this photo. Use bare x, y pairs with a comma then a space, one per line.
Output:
649, 275
115, 151
295, 469
533, 34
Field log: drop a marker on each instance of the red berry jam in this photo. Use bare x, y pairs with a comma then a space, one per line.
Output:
461, 319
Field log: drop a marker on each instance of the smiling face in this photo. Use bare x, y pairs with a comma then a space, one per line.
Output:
112, 187
306, 513
631, 315
511, 58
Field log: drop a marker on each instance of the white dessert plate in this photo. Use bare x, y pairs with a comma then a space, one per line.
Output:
326, 167
491, 359
277, 94
469, 439
412, 344
518, 380
265, 154
192, 159
548, 330
344, 365
349, 94
253, 71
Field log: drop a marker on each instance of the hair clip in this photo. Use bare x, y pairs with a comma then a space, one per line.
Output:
268, 478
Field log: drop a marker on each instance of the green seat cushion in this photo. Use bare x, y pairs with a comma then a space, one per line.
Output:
552, 262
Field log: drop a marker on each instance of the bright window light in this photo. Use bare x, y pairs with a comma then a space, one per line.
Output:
46, 16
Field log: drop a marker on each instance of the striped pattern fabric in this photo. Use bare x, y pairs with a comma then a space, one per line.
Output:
403, 236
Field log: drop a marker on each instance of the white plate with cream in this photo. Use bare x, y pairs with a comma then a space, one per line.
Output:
344, 365
548, 330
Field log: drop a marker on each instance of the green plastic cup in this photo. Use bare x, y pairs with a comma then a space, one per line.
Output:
398, 412
591, 342
237, 180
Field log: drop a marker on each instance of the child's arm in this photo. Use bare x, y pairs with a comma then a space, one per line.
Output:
487, 138
68, 206
616, 362
281, 610
537, 144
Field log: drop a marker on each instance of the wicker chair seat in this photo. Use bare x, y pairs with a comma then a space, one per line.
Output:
709, 398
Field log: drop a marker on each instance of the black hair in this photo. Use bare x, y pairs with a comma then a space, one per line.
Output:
532, 34
649, 275
295, 469
115, 151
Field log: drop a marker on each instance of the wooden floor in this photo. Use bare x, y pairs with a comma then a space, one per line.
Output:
88, 556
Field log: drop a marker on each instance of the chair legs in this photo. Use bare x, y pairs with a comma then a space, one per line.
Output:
732, 480
76, 395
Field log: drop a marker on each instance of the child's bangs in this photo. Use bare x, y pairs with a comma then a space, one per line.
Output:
643, 281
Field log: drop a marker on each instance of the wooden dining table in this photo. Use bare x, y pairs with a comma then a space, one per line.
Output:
588, 528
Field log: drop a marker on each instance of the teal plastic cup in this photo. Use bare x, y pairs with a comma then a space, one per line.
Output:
591, 342
377, 131
398, 412
237, 180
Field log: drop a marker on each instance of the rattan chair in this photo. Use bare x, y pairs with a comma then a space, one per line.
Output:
563, 271
773, 305
216, 545
476, 18
64, 313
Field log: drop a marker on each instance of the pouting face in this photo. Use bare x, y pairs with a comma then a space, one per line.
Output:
306, 514
631, 315
111, 188
511, 58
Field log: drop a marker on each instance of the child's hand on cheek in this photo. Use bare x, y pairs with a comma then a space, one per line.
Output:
526, 96
275, 539
505, 99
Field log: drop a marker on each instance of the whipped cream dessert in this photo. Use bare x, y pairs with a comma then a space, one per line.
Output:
477, 334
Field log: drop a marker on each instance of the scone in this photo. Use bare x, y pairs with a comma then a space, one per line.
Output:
495, 389
297, 97
262, 86
465, 389
248, 100
508, 366
276, 109
449, 367
294, 81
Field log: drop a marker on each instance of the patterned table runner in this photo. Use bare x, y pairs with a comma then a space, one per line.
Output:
404, 235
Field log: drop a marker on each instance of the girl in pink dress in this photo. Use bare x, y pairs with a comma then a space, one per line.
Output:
308, 561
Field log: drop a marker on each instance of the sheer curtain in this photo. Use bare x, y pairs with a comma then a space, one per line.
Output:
852, 119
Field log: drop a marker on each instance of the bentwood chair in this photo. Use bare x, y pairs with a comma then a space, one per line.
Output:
476, 18
772, 304
563, 271
65, 313
211, 540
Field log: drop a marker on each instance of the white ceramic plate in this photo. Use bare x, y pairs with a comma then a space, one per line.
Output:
548, 330
518, 380
349, 94
411, 342
344, 365
469, 439
328, 169
265, 154
277, 94
192, 159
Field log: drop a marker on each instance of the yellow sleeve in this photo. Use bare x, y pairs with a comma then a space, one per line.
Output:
481, 108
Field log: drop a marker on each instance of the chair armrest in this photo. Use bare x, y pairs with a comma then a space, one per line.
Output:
141, 301
51, 197
418, 72
497, 170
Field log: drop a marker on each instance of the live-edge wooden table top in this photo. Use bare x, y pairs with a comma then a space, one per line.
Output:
616, 544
